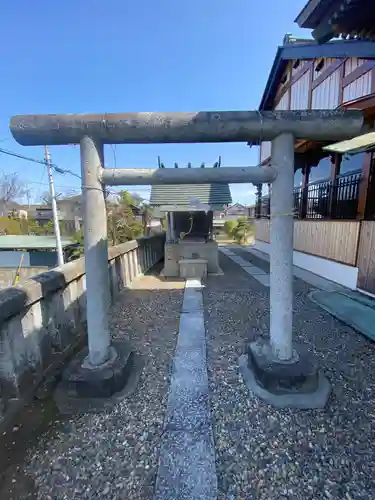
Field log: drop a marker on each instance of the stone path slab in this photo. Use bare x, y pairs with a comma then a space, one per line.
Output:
187, 457
256, 272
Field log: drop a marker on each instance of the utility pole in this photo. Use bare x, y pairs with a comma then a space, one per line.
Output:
60, 255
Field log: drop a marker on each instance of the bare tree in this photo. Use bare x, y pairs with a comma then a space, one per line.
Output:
28, 194
11, 190
46, 198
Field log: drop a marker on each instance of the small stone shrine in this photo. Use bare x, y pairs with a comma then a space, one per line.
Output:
190, 248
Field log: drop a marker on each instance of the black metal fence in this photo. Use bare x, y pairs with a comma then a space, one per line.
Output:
324, 199
346, 195
318, 199
298, 201
265, 207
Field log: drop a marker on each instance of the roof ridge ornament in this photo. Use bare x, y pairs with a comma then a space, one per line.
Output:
217, 164
289, 38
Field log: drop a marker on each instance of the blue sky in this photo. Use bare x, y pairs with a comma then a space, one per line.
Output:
124, 55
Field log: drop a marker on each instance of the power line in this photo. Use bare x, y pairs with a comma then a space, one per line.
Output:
58, 170
76, 189
55, 167
113, 147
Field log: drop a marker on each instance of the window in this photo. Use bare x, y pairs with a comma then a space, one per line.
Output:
322, 171
296, 63
285, 77
298, 177
349, 163
319, 66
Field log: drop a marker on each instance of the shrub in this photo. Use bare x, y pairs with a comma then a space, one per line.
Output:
242, 230
10, 226
229, 227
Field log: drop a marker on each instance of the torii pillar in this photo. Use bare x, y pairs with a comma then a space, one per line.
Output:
276, 370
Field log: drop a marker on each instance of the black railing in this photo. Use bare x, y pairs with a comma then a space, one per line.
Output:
324, 199
318, 199
265, 207
346, 195
370, 202
334, 200
298, 202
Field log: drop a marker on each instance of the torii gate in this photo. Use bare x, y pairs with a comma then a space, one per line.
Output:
277, 368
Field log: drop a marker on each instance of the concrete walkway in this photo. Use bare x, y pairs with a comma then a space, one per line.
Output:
351, 307
257, 452
265, 453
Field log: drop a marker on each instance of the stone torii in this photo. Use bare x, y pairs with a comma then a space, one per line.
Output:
276, 371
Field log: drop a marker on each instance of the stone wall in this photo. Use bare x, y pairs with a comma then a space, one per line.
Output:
43, 319
7, 274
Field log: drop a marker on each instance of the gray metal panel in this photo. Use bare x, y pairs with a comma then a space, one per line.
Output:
356, 145
30, 242
12, 259
210, 194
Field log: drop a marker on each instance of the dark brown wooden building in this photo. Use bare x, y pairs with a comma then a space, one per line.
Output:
339, 18
334, 191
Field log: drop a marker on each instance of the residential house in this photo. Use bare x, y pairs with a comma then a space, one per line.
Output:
233, 212
334, 194
40, 213
71, 209
236, 210
69, 212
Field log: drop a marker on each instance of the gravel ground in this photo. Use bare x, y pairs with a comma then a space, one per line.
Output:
261, 452
265, 453
114, 455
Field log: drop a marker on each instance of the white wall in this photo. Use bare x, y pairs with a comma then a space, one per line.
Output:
338, 273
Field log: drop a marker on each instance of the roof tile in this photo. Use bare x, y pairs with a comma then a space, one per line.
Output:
182, 194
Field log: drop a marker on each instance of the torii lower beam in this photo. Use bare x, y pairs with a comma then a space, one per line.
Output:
222, 175
276, 371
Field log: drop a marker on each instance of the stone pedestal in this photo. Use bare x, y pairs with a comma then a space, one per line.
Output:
190, 249
85, 388
193, 268
293, 384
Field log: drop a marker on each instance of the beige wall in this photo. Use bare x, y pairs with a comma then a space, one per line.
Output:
334, 239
